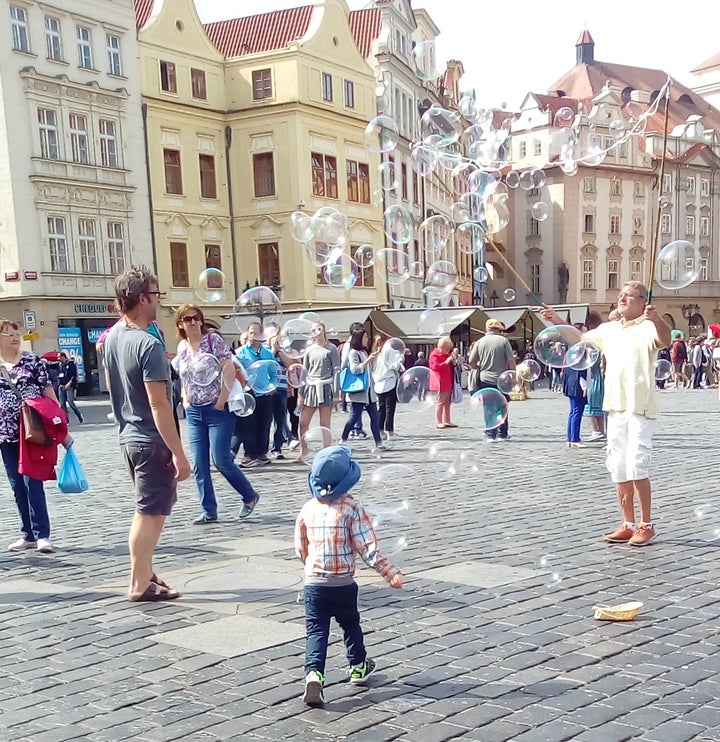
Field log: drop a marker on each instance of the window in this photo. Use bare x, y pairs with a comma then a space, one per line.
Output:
197, 82
113, 53
703, 269
116, 247
665, 224
264, 174
79, 138
327, 91
173, 171
637, 225
704, 187
57, 241
366, 276
622, 150
179, 264
522, 149
213, 259
667, 183
349, 86
416, 188
20, 31
108, 143
589, 185
262, 84
324, 175
589, 224
636, 270
364, 178
533, 227
88, 246
615, 224
269, 263
53, 40
588, 274
690, 181
537, 147
84, 41
613, 274
638, 189
404, 179
49, 144
690, 225
168, 80
704, 226
615, 187
208, 188
535, 279
353, 192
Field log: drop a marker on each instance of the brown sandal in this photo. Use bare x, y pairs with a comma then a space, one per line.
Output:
158, 581
155, 593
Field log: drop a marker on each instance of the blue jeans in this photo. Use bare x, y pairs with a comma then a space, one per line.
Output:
502, 430
356, 418
29, 496
210, 431
577, 405
321, 604
280, 417
67, 397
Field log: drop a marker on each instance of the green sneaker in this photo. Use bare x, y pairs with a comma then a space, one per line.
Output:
360, 673
313, 695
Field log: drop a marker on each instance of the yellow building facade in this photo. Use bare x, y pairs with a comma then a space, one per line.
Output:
242, 134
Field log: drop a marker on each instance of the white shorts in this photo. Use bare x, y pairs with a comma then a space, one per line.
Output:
629, 446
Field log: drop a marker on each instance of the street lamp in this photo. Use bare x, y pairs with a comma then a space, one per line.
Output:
689, 311
493, 298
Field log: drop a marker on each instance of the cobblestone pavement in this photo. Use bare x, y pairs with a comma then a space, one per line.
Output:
483, 644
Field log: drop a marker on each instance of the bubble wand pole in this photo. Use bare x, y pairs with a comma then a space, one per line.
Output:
656, 237
512, 270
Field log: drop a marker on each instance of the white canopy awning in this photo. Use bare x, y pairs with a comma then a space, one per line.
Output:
405, 323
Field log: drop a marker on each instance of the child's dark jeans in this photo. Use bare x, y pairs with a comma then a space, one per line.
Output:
321, 604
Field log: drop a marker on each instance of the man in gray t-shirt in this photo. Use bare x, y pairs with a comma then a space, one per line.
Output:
138, 377
489, 357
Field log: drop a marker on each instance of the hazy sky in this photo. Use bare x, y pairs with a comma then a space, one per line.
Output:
514, 47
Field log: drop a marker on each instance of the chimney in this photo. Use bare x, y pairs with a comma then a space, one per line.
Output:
585, 49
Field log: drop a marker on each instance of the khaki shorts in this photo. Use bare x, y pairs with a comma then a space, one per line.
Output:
153, 473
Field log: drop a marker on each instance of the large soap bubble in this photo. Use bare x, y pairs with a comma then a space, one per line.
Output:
342, 274
553, 343
393, 266
435, 232
441, 279
488, 409
301, 226
262, 302
211, 285
381, 135
313, 442
414, 387
398, 224
260, 376
529, 370
663, 369
431, 323
678, 265
582, 356
425, 62
202, 369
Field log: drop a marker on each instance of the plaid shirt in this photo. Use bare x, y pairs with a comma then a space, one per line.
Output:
328, 536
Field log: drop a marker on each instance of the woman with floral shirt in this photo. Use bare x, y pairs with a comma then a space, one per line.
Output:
24, 376
204, 362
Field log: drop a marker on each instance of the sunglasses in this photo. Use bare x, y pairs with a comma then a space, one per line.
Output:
191, 318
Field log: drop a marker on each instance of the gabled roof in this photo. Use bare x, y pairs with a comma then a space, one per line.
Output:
698, 149
708, 64
143, 9
365, 26
259, 33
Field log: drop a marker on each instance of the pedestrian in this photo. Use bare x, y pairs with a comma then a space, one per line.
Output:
204, 364
358, 431
22, 376
255, 428
67, 383
321, 391
422, 362
630, 347
595, 388
492, 355
332, 529
678, 358
138, 375
360, 364
575, 389
442, 362
280, 397
385, 374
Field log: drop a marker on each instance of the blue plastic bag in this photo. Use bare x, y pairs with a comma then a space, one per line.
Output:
71, 477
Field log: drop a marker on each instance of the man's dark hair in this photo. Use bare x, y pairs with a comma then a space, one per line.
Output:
355, 326
131, 285
62, 355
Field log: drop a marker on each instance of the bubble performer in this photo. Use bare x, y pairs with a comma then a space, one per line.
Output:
630, 346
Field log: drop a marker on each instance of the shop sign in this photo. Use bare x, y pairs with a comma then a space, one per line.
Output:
70, 341
12, 275
93, 334
29, 319
30, 275
95, 309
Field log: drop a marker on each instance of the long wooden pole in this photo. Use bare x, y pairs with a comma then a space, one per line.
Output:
512, 270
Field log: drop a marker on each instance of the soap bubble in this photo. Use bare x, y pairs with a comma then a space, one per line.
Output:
313, 442
262, 376
298, 329
509, 294
211, 285
417, 269
548, 565
243, 406
582, 356
540, 211
342, 274
260, 302
390, 489
512, 179
431, 323
663, 202
441, 279
529, 370
365, 256
311, 317
663, 369
330, 227
552, 344
678, 265
393, 350
470, 238
708, 518
321, 253
497, 213
440, 127
425, 61
508, 381
393, 266
435, 231
381, 135
202, 369
301, 226
564, 117
423, 160
480, 274
389, 179
398, 224
488, 409
413, 387
296, 376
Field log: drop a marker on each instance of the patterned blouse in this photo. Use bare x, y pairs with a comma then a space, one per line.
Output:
200, 372
31, 378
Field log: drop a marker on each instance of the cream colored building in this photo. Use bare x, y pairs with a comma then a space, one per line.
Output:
288, 97
73, 184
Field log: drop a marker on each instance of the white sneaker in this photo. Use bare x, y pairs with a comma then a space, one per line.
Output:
596, 436
44, 546
21, 545
293, 444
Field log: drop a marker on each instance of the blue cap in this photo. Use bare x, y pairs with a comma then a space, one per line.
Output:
333, 472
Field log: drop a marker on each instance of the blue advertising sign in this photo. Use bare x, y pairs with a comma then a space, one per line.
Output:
70, 341
93, 334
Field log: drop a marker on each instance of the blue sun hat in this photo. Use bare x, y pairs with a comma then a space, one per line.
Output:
333, 472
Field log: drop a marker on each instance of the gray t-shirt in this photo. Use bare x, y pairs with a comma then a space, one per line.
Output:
492, 353
132, 357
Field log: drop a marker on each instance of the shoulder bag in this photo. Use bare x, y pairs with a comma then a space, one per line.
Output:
32, 427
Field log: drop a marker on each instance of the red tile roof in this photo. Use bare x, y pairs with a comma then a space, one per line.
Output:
365, 26
259, 33
143, 9
585, 38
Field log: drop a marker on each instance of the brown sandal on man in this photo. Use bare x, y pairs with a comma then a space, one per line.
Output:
155, 593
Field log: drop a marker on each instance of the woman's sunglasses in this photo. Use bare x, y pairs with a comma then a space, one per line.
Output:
191, 318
